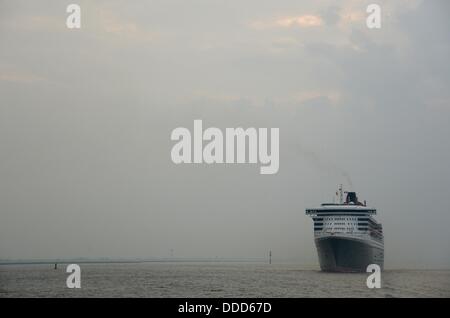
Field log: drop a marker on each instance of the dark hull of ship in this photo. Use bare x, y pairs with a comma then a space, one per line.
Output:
337, 254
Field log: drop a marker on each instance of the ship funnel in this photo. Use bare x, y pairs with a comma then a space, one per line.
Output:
351, 197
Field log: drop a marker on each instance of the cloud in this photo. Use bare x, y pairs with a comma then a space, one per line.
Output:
332, 96
303, 21
35, 23
19, 77
120, 28
331, 15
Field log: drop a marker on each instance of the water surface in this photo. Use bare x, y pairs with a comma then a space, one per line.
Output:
214, 280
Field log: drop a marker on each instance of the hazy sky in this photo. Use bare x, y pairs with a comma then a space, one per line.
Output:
86, 117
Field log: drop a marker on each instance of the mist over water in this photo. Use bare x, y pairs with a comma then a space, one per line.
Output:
215, 280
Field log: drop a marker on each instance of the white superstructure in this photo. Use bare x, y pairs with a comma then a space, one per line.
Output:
347, 236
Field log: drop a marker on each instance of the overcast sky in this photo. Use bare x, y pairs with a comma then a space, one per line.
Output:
86, 117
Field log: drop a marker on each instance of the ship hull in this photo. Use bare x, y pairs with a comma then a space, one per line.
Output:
343, 254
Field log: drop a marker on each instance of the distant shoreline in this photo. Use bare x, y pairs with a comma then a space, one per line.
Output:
130, 261
138, 261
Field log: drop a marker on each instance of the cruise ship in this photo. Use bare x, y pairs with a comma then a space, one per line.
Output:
347, 236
